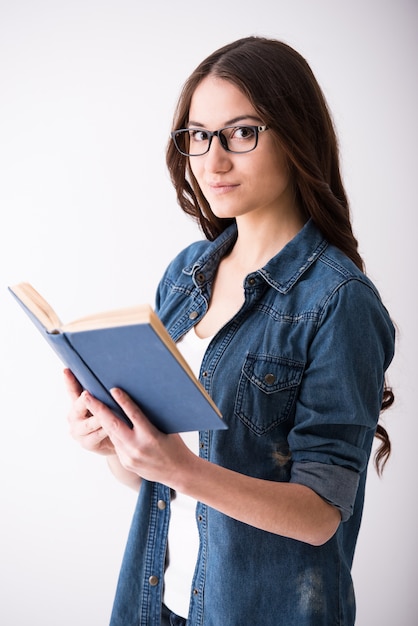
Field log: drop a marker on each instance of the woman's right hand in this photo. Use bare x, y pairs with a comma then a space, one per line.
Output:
86, 430
84, 427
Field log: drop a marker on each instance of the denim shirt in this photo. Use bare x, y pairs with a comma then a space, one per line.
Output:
298, 375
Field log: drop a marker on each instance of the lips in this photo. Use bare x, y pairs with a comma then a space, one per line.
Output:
221, 188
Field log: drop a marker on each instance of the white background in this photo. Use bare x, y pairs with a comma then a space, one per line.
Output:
88, 215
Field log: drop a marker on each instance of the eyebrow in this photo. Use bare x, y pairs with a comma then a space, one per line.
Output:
234, 120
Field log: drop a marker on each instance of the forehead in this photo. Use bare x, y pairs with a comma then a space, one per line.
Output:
216, 102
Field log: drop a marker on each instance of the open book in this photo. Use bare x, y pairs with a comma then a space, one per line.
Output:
131, 349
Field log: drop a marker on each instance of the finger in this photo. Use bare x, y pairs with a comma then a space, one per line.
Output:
72, 385
85, 426
79, 411
96, 441
92, 438
132, 410
112, 425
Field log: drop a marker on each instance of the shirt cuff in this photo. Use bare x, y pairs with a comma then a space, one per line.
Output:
335, 484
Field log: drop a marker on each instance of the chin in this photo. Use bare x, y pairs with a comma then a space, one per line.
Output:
223, 212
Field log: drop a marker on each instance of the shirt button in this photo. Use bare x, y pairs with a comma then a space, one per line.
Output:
251, 282
161, 505
195, 592
200, 518
200, 277
153, 581
269, 379
204, 374
193, 315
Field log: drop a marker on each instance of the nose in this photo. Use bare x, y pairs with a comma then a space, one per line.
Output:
217, 159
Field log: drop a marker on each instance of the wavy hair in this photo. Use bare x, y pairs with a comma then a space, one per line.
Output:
283, 90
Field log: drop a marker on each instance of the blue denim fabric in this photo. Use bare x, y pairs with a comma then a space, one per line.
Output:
298, 375
168, 618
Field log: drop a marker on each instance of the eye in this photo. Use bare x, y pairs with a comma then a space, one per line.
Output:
198, 135
242, 132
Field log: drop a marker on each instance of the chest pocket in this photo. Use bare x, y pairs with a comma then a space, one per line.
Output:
267, 390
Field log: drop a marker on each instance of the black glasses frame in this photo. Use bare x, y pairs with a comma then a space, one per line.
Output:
218, 133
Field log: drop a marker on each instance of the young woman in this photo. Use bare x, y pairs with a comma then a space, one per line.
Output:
291, 340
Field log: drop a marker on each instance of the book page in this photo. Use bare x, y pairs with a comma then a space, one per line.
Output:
140, 314
38, 306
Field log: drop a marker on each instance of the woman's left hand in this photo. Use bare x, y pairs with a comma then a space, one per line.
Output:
143, 449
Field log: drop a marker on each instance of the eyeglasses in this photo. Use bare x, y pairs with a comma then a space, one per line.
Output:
197, 141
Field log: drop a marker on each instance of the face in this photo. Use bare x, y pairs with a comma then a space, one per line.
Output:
252, 184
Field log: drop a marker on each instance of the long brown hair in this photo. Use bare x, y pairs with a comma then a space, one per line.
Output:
280, 85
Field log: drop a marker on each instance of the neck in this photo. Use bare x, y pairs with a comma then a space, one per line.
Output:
258, 242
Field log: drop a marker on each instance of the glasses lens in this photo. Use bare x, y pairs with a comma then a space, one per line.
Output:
179, 138
191, 142
240, 138
198, 141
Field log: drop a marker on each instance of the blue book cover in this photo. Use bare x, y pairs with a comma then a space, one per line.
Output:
130, 349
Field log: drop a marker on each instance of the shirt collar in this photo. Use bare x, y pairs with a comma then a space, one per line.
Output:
282, 271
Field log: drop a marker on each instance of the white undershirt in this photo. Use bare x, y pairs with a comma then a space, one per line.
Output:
183, 536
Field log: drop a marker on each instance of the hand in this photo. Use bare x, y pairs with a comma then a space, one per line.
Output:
85, 428
144, 449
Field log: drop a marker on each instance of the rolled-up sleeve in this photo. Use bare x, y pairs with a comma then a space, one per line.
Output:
335, 484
